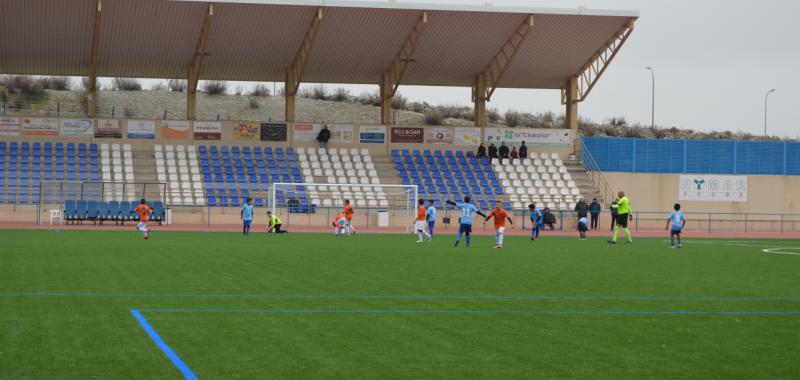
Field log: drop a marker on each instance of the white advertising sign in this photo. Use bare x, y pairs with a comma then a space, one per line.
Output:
467, 136
9, 126
77, 127
531, 136
714, 188
341, 133
306, 131
141, 129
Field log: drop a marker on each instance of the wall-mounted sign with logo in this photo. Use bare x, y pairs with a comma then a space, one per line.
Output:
717, 188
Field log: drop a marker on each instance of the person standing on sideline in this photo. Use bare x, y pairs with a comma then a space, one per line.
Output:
514, 155
492, 151
582, 209
594, 211
247, 216
500, 215
431, 211
323, 136
422, 222
678, 221
144, 212
613, 208
274, 223
465, 220
523, 151
623, 215
537, 220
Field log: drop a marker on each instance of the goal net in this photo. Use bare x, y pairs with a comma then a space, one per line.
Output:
390, 207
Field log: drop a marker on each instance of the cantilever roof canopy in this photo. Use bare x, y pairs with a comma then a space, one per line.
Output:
256, 40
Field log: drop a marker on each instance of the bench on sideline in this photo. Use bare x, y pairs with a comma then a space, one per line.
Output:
78, 211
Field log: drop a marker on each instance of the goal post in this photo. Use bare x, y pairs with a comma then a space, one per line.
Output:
327, 198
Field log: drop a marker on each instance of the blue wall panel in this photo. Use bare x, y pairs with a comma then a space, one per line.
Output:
695, 156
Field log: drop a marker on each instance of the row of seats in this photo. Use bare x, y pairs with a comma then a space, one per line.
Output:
117, 166
350, 172
443, 175
231, 173
178, 167
542, 179
23, 166
77, 211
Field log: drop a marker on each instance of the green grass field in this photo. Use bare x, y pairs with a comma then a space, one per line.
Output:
380, 306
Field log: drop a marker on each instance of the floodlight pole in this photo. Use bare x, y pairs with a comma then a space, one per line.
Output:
766, 97
652, 97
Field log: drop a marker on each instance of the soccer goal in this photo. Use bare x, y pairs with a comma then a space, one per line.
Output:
376, 205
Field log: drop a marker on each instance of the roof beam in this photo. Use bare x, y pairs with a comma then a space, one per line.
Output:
403, 58
92, 90
594, 68
200, 52
496, 69
294, 75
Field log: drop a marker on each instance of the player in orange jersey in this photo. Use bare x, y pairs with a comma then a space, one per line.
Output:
339, 225
144, 212
422, 222
500, 215
348, 215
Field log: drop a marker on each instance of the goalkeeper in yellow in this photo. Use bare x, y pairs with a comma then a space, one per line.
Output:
623, 208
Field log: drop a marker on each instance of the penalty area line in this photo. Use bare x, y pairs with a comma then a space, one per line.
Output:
162, 345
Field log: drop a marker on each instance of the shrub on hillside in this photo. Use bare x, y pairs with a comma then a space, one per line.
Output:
493, 115
340, 94
126, 84
318, 93
215, 87
177, 85
55, 83
260, 90
433, 118
512, 118
399, 102
253, 103
369, 99
25, 86
159, 86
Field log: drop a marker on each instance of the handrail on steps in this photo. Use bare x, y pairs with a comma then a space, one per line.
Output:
593, 169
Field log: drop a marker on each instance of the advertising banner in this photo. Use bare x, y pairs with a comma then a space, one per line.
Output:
467, 136
372, 134
439, 135
531, 136
273, 132
141, 129
341, 133
9, 126
175, 129
107, 129
246, 131
407, 135
76, 127
305, 132
714, 188
207, 130
39, 127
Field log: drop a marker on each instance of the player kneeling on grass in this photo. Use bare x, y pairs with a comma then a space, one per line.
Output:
465, 220
583, 226
678, 221
422, 222
274, 223
500, 215
247, 216
339, 225
144, 211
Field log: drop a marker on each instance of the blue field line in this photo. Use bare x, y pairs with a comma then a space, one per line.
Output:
173, 357
443, 297
475, 312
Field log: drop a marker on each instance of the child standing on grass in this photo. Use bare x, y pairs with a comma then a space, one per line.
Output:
583, 226
678, 221
247, 216
537, 220
500, 215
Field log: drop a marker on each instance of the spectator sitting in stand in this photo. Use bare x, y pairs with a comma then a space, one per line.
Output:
523, 151
492, 151
514, 155
481, 151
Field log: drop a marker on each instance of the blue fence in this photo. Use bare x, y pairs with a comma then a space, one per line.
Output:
695, 156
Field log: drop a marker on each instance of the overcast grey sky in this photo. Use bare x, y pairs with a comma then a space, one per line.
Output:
714, 61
